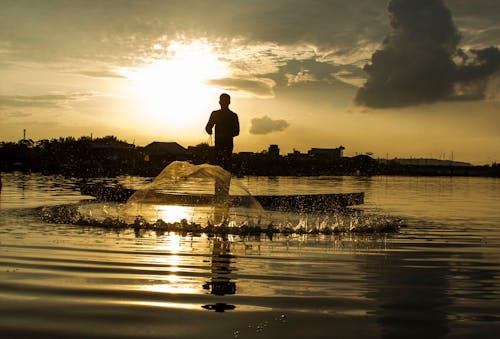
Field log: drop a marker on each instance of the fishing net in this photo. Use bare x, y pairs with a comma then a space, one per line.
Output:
200, 198
193, 192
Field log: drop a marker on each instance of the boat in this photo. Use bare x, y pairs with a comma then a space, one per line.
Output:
297, 202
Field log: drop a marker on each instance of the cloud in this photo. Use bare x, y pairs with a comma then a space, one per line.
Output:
311, 75
266, 125
351, 75
299, 77
420, 62
40, 101
16, 115
101, 74
261, 87
255, 37
127, 32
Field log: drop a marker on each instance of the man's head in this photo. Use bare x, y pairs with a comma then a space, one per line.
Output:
224, 100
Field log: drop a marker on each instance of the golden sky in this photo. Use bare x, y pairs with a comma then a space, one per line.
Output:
296, 70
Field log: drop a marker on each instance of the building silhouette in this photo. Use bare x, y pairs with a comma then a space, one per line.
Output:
333, 153
273, 151
165, 151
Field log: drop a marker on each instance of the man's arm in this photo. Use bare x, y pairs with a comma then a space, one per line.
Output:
236, 127
211, 123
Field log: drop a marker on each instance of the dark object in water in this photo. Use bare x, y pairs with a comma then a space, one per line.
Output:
299, 202
321, 202
220, 286
219, 307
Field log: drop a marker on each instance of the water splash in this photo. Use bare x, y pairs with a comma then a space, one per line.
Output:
349, 222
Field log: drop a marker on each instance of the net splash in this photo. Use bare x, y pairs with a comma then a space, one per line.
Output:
202, 199
183, 190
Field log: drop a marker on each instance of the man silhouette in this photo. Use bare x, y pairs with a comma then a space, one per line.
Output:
227, 126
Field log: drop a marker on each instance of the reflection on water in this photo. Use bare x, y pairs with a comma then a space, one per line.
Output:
27, 191
436, 278
411, 293
220, 281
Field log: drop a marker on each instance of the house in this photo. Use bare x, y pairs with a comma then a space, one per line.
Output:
273, 151
331, 153
165, 151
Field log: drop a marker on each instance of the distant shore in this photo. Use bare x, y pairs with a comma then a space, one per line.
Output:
343, 167
109, 157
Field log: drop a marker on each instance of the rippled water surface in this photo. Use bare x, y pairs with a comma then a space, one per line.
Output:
437, 277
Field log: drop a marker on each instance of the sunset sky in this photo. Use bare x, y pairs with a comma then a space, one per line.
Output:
153, 70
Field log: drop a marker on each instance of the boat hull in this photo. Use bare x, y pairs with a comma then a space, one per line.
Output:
298, 202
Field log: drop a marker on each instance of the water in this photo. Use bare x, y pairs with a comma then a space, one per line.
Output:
435, 278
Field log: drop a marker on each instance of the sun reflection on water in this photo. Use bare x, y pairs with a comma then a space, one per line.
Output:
167, 280
163, 304
170, 213
175, 285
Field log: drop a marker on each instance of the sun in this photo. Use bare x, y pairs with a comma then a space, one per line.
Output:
174, 93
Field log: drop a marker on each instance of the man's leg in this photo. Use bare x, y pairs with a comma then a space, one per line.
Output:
223, 183
223, 157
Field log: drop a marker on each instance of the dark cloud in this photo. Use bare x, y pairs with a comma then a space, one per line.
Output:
294, 72
314, 81
476, 68
482, 13
266, 125
420, 62
311, 76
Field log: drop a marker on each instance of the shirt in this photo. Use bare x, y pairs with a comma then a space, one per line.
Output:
226, 125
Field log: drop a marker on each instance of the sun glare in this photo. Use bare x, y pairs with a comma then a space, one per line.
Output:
174, 93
